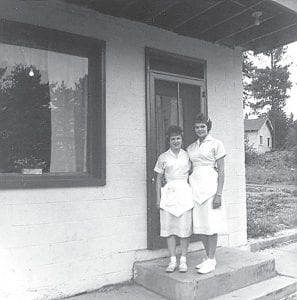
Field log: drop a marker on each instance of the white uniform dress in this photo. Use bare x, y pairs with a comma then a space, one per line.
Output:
176, 196
204, 182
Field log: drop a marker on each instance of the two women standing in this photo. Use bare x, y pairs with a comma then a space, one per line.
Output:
204, 159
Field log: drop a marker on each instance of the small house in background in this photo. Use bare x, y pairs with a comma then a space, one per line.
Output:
259, 134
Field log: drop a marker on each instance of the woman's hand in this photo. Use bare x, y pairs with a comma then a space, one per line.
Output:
217, 201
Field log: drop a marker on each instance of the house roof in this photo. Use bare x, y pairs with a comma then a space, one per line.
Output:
231, 23
256, 124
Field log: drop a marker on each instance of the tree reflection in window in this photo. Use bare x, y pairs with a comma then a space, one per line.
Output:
42, 124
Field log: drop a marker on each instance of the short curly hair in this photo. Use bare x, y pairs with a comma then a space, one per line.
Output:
173, 130
202, 118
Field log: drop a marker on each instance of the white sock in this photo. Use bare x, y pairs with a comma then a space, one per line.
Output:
173, 259
183, 259
212, 260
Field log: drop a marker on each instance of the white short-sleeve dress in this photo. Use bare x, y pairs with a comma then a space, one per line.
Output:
204, 182
176, 196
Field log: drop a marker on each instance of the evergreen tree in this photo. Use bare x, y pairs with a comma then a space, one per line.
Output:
269, 87
280, 126
270, 84
248, 69
291, 140
24, 119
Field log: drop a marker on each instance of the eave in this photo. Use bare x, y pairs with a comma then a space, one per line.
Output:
225, 22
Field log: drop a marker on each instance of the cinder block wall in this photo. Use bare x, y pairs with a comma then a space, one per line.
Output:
59, 242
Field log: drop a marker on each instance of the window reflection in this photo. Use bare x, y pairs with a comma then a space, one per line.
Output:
43, 111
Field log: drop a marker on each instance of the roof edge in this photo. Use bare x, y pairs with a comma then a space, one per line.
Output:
291, 5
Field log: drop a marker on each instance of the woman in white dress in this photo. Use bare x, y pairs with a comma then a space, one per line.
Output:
175, 198
207, 180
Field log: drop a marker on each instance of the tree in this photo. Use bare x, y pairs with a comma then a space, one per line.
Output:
268, 87
248, 69
291, 140
280, 126
24, 119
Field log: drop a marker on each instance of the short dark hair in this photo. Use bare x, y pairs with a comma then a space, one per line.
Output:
173, 130
202, 118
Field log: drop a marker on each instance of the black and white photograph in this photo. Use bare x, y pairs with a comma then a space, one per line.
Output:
148, 149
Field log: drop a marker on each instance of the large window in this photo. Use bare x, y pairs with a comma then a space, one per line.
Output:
52, 109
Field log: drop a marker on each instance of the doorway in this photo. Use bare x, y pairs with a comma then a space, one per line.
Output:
172, 99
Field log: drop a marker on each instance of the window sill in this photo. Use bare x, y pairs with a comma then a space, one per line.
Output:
62, 180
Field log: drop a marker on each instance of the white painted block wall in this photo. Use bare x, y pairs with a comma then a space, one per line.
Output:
59, 242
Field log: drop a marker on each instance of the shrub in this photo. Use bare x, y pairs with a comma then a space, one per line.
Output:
290, 219
249, 151
257, 228
270, 167
295, 154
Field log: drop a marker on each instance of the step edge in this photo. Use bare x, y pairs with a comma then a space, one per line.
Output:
191, 285
291, 288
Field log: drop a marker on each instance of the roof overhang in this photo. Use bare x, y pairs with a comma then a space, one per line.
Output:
257, 25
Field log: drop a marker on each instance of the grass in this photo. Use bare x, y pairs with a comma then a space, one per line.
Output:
273, 167
269, 211
272, 200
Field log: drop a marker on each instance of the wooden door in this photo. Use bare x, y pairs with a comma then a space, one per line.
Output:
173, 100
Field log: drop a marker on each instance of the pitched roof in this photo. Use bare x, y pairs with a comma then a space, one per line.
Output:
254, 124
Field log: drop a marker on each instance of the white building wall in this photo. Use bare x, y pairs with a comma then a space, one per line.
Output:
265, 133
59, 242
254, 139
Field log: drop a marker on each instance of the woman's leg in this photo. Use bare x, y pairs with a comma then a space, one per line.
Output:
171, 245
184, 244
210, 263
212, 245
204, 240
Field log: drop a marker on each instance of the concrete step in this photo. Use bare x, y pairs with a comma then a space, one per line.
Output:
274, 288
235, 269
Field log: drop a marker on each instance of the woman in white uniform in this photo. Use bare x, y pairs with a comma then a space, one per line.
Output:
207, 180
175, 198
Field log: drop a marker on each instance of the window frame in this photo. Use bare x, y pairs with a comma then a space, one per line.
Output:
32, 36
261, 140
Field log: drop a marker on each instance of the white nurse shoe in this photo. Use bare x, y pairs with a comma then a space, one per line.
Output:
201, 264
171, 267
208, 266
204, 261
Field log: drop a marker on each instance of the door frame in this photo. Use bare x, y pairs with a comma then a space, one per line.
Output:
153, 240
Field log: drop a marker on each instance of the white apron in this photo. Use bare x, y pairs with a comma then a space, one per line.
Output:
204, 183
176, 197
